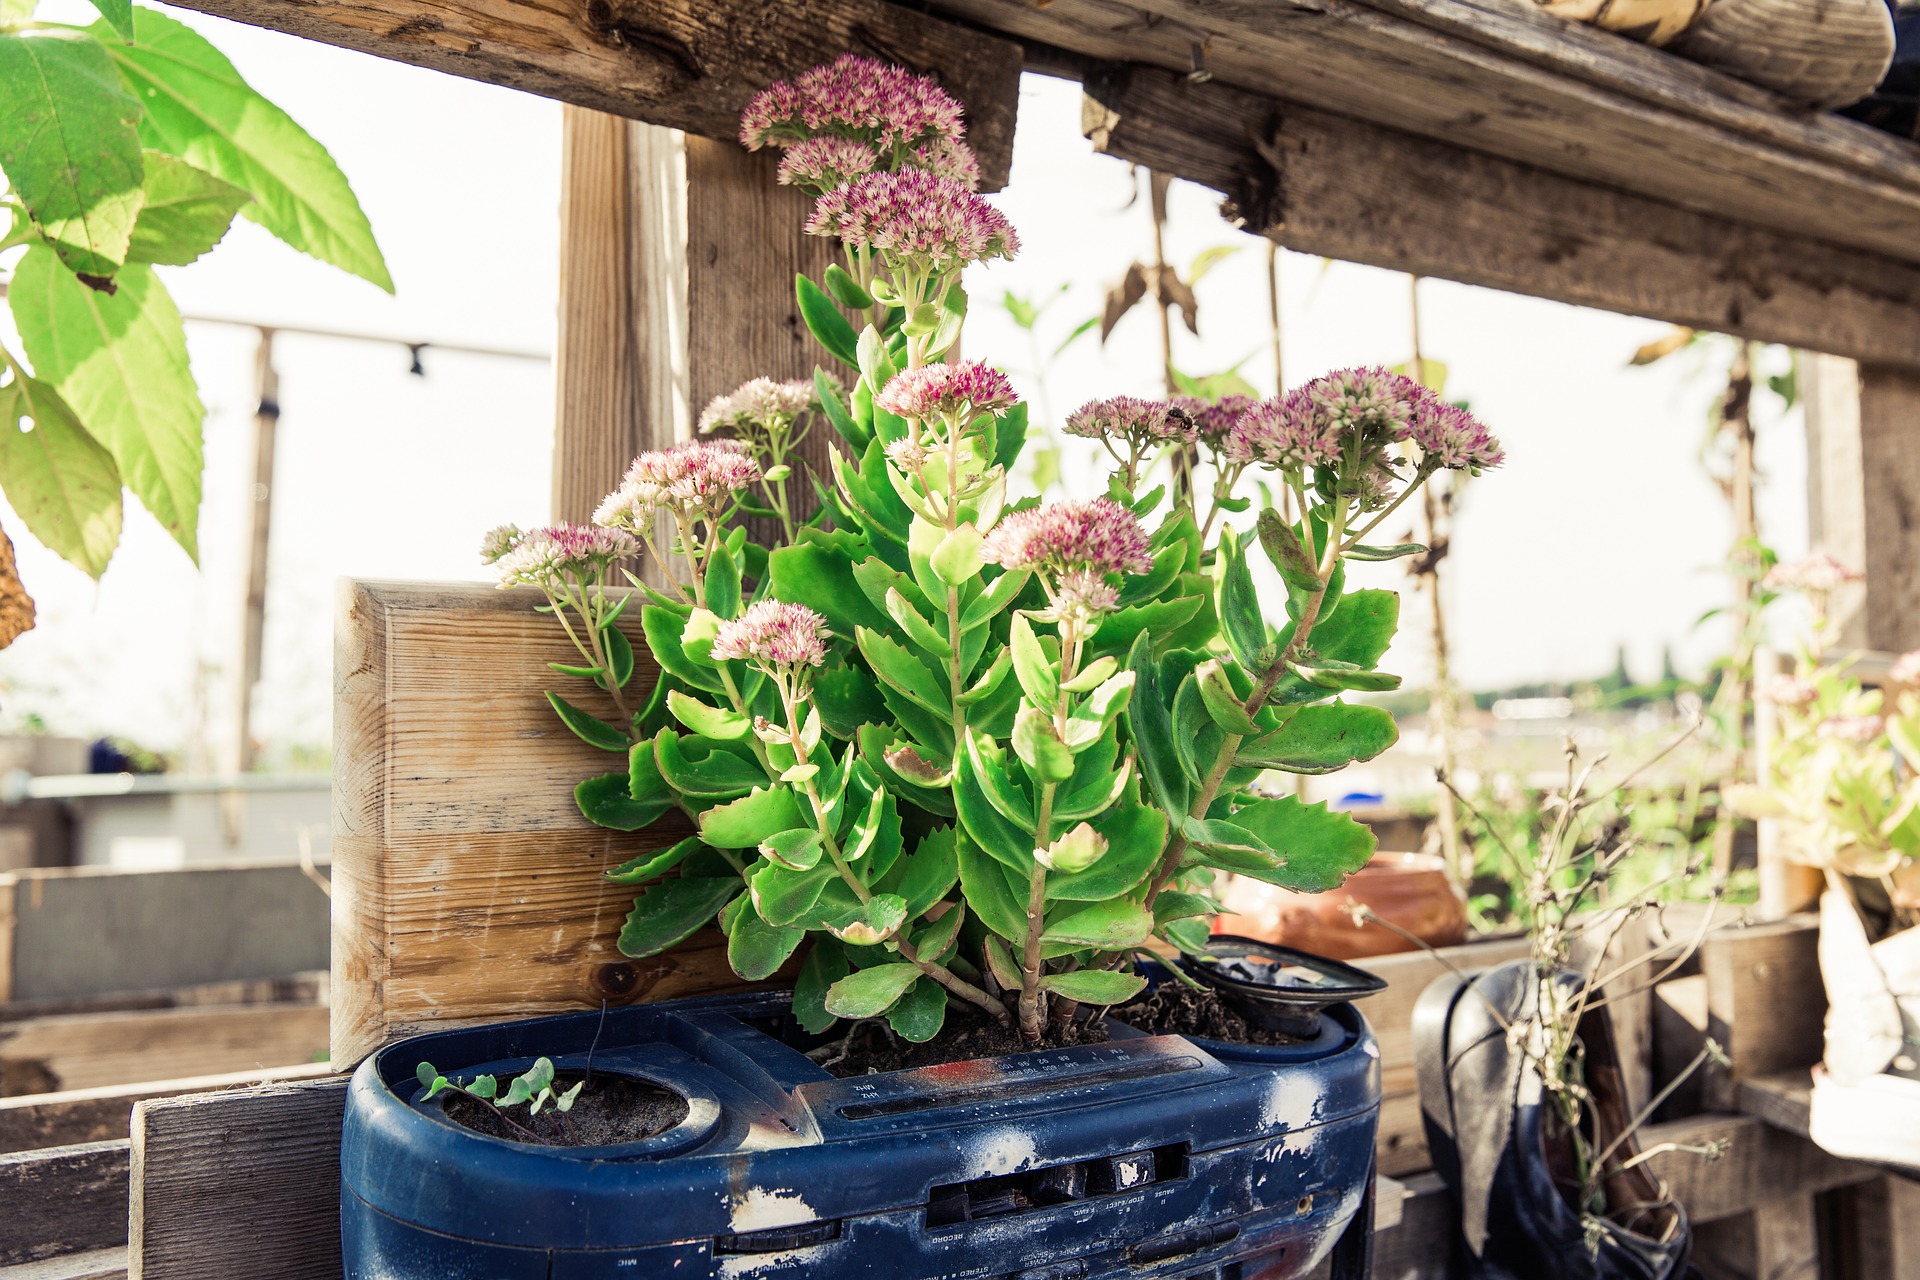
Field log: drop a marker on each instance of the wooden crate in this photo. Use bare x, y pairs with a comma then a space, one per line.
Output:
466, 885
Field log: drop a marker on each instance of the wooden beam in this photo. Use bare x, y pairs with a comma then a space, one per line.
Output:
85, 1051
101, 1114
1765, 1002
1337, 187
95, 1264
240, 1183
458, 850
1512, 81
66, 1200
74, 932
684, 65
1759, 1165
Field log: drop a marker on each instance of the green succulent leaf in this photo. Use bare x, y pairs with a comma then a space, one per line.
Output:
825, 321
787, 897
1362, 552
707, 721
845, 289
722, 583
868, 993
1136, 834
989, 773
1318, 848
1289, 555
670, 912
918, 1015
915, 624
590, 729
651, 866
1150, 727
1094, 986
818, 574
826, 964
1033, 665
608, 801
1047, 758
1000, 594
199, 109
744, 823
1237, 604
1321, 739
796, 850
1222, 702
902, 671
663, 627
703, 768
986, 827
1110, 926
931, 870
756, 949
984, 882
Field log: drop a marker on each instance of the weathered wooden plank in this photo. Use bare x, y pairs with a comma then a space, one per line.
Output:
686, 66
83, 931
1519, 84
84, 1051
1890, 495
101, 1114
191, 1218
459, 853
1759, 1166
1765, 1002
95, 1264
299, 988
1420, 1245
1334, 186
62, 1201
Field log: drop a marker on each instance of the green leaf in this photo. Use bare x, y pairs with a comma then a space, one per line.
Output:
1150, 726
1033, 665
703, 768
1039, 747
1230, 846
984, 882
998, 596
868, 923
836, 410
1172, 906
1330, 673
1318, 848
867, 993
1289, 555
826, 323
70, 146
1111, 926
707, 721
723, 583
61, 481
198, 108
186, 211
1136, 836
918, 629
1321, 739
787, 897
591, 730
797, 850
902, 671
820, 576
846, 699
845, 289
651, 866
1361, 552
619, 652
756, 949
118, 13
1236, 603
671, 911
918, 1016
983, 822
607, 801
957, 558
1222, 703
120, 360
663, 627
744, 823
1094, 986
826, 964
988, 771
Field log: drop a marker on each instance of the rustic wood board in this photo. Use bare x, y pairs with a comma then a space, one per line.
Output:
1765, 1002
1761, 1165
71, 932
1514, 82
89, 1050
466, 885
102, 1114
683, 65
244, 1182
66, 1200
95, 1264
1362, 193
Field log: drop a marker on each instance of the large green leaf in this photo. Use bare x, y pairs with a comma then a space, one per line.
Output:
784, 897
818, 574
1150, 725
1110, 925
60, 480
120, 360
1321, 739
930, 870
1319, 848
608, 801
756, 949
744, 823
869, 992
984, 882
651, 866
1094, 986
918, 1015
1136, 836
826, 964
186, 211
70, 145
671, 911
118, 13
199, 108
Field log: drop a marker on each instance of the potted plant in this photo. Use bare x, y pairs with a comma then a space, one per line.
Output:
1842, 788
962, 767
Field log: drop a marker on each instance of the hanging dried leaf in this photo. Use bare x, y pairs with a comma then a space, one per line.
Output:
16, 606
1170, 290
1674, 340
1122, 297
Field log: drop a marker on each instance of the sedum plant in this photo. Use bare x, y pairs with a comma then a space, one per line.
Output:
947, 743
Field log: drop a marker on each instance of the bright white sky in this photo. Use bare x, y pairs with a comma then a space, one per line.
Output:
1602, 530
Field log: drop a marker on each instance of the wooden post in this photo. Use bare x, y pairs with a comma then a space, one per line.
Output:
246, 675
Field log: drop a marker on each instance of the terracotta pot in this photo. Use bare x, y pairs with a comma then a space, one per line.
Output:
1409, 889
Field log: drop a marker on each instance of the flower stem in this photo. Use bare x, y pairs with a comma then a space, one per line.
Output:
1032, 1015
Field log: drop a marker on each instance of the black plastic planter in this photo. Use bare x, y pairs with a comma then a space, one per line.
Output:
1145, 1157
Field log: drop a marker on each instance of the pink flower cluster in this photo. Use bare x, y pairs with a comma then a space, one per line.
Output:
1284, 432
774, 635
547, 557
1095, 536
826, 162
948, 158
1818, 573
1356, 413
854, 97
1858, 729
917, 215
758, 403
1214, 419
957, 392
695, 476
1905, 669
1787, 691
1134, 419
1452, 437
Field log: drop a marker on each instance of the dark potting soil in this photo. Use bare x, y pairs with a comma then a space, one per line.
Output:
1175, 1009
612, 1109
872, 1047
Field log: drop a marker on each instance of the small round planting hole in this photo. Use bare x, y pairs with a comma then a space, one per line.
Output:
611, 1110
